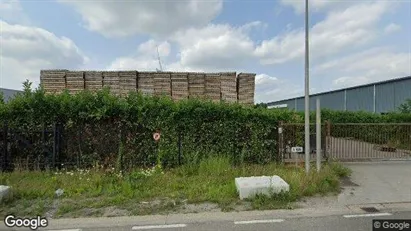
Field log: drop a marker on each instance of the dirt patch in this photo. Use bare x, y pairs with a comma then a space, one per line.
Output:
115, 212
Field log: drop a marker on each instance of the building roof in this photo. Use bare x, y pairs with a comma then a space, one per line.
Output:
8, 93
349, 88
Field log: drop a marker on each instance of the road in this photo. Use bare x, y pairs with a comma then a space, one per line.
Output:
336, 219
352, 222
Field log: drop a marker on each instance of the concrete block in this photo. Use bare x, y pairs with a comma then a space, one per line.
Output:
250, 186
5, 192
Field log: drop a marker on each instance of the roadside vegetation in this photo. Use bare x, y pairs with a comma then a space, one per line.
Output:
208, 185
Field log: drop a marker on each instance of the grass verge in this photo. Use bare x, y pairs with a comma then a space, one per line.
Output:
99, 192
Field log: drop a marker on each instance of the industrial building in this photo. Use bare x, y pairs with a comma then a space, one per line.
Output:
8, 93
378, 97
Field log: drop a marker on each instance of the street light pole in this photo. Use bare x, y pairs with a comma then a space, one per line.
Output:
307, 94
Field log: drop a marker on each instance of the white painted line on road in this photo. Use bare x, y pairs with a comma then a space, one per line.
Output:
258, 222
65, 230
158, 226
368, 215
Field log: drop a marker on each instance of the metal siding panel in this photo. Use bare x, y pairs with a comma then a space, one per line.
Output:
384, 97
360, 99
290, 104
402, 91
300, 104
8, 94
333, 101
313, 102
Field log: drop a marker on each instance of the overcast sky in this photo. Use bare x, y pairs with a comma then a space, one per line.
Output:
352, 42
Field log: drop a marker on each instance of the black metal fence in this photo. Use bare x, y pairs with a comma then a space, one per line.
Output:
82, 146
39, 149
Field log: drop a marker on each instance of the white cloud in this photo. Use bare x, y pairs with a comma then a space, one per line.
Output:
372, 65
392, 28
12, 11
215, 46
146, 57
269, 89
341, 29
26, 50
117, 19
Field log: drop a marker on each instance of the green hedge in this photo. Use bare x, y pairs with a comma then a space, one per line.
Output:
98, 124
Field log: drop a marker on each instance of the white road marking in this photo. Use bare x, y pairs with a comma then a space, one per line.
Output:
65, 230
258, 221
158, 226
368, 215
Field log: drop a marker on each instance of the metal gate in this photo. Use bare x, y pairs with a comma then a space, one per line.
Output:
369, 141
348, 141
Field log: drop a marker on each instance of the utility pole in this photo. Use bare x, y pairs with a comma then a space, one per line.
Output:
307, 93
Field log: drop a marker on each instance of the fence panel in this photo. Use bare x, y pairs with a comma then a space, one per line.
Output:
292, 135
370, 141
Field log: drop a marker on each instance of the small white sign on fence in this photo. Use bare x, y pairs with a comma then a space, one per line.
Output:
297, 149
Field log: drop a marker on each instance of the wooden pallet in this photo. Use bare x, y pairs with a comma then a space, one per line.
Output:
145, 83
162, 83
213, 86
196, 85
53, 81
127, 81
229, 87
93, 80
179, 86
111, 80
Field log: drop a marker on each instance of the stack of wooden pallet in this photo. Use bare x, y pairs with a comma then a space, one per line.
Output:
111, 80
229, 87
75, 81
93, 80
162, 83
179, 85
196, 85
145, 83
246, 87
127, 81
213, 86
53, 81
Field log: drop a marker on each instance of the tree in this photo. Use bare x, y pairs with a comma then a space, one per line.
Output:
2, 101
405, 107
261, 105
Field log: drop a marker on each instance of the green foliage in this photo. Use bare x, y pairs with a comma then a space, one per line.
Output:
261, 105
2, 101
405, 107
93, 121
94, 188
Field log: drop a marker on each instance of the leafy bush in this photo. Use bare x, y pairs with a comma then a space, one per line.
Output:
95, 124
103, 129
405, 107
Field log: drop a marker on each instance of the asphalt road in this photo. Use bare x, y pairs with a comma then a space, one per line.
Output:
337, 220
335, 223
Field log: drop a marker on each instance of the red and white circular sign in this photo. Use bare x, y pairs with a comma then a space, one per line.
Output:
156, 136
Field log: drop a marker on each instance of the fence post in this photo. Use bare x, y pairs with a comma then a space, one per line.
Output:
280, 156
179, 148
5, 164
318, 134
55, 145
45, 155
328, 140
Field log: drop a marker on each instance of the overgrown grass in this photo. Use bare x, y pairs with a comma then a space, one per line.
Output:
212, 180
